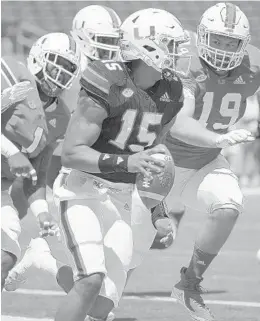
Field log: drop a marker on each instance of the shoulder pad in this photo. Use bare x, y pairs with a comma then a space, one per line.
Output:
252, 58
190, 67
196, 73
173, 82
100, 76
196, 67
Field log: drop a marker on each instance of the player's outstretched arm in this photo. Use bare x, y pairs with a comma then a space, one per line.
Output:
188, 129
191, 131
84, 130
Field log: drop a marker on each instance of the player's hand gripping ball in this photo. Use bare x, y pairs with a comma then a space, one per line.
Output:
153, 191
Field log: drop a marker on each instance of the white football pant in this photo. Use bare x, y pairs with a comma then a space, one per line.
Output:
212, 187
104, 227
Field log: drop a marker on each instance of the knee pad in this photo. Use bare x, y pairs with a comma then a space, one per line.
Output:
225, 212
220, 190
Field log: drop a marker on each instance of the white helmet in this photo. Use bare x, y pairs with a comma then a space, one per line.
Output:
54, 60
97, 30
154, 36
228, 20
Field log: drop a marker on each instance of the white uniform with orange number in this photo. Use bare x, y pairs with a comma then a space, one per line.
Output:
203, 179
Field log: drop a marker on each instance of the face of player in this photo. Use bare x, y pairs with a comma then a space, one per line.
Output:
223, 44
58, 71
144, 76
104, 54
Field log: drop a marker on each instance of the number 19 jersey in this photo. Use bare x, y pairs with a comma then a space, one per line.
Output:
135, 117
219, 104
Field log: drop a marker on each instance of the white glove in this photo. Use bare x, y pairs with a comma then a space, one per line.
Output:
15, 94
234, 137
166, 230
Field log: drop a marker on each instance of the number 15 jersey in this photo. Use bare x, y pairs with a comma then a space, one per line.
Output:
219, 104
135, 117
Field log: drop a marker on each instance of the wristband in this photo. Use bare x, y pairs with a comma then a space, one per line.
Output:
39, 206
110, 163
7, 147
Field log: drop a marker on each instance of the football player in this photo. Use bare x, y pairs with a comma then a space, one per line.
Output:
96, 30
120, 115
54, 61
23, 136
224, 72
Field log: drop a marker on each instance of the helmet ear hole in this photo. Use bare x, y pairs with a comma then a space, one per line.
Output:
149, 48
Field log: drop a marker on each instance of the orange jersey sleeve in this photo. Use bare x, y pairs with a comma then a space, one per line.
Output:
23, 122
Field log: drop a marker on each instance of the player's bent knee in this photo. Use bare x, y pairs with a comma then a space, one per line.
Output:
221, 191
8, 261
65, 278
101, 308
91, 282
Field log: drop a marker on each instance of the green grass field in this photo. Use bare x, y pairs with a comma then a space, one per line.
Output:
233, 281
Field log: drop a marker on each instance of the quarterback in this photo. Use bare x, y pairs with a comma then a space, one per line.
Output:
23, 136
109, 139
224, 72
96, 30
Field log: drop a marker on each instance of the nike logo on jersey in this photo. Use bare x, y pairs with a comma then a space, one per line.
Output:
165, 97
239, 81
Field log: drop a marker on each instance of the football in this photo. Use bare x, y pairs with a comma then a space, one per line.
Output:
153, 191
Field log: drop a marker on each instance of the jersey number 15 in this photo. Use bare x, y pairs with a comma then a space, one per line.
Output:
143, 136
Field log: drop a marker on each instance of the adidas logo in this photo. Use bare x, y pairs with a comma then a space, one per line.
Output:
126, 207
239, 81
119, 160
165, 98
